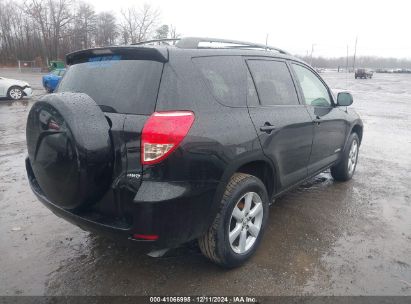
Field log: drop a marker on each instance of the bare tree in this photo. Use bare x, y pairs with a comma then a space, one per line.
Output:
42, 30
128, 25
148, 20
51, 16
138, 24
18, 37
173, 32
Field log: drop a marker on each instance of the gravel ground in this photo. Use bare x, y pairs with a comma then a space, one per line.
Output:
323, 238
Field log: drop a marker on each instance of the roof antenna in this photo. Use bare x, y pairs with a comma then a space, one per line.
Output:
266, 41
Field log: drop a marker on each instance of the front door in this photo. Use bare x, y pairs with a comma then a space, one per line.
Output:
284, 127
329, 121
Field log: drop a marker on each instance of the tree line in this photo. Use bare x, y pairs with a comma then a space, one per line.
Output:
360, 62
43, 30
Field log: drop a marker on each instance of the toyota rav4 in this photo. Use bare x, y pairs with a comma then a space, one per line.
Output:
162, 144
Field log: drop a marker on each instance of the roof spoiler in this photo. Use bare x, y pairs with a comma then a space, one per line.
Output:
126, 53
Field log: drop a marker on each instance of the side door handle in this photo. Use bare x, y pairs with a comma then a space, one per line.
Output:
267, 128
317, 120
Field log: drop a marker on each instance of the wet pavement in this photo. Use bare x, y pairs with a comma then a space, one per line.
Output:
323, 238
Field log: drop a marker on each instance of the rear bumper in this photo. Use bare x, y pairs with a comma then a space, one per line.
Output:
176, 212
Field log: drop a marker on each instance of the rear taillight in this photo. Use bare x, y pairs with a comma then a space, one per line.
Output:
147, 237
162, 133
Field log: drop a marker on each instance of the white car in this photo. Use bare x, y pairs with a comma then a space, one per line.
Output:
14, 89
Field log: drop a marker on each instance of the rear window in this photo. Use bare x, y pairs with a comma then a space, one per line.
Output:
122, 86
226, 77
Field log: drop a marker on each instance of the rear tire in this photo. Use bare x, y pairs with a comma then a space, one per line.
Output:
239, 225
345, 169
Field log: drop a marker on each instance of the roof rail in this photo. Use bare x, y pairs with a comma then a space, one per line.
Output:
159, 41
194, 43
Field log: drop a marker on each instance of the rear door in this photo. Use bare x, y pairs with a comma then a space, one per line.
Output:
283, 124
2, 87
330, 124
125, 87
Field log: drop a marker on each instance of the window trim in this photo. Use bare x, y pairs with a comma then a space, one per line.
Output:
331, 96
247, 59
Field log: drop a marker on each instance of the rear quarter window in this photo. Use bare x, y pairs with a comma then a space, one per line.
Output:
122, 86
225, 76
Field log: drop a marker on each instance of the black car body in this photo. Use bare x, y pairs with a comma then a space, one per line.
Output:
85, 159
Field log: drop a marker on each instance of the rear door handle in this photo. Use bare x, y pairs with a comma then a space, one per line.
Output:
267, 128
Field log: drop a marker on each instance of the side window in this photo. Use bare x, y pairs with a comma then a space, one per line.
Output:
273, 81
252, 98
226, 77
315, 93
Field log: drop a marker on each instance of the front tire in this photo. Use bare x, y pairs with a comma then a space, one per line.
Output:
240, 223
15, 93
345, 169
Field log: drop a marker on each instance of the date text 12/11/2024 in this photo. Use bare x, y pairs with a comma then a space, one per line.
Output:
203, 299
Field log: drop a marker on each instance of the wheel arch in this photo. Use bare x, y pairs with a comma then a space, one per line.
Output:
252, 164
357, 128
262, 170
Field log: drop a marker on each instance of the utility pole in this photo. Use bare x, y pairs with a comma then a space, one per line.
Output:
312, 51
355, 53
346, 65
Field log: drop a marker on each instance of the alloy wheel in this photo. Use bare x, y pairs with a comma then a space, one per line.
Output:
352, 157
16, 93
245, 223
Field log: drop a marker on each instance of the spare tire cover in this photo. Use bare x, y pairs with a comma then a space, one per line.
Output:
69, 147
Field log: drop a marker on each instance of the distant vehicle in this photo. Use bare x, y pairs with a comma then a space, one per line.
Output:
51, 80
56, 64
14, 89
363, 73
402, 71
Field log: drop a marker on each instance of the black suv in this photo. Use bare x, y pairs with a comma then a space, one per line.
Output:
363, 73
164, 144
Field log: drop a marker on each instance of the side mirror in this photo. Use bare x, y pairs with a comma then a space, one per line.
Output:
344, 99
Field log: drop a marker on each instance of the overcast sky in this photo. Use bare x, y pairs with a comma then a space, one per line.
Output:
383, 27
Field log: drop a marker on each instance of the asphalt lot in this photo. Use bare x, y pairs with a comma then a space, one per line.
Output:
323, 238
